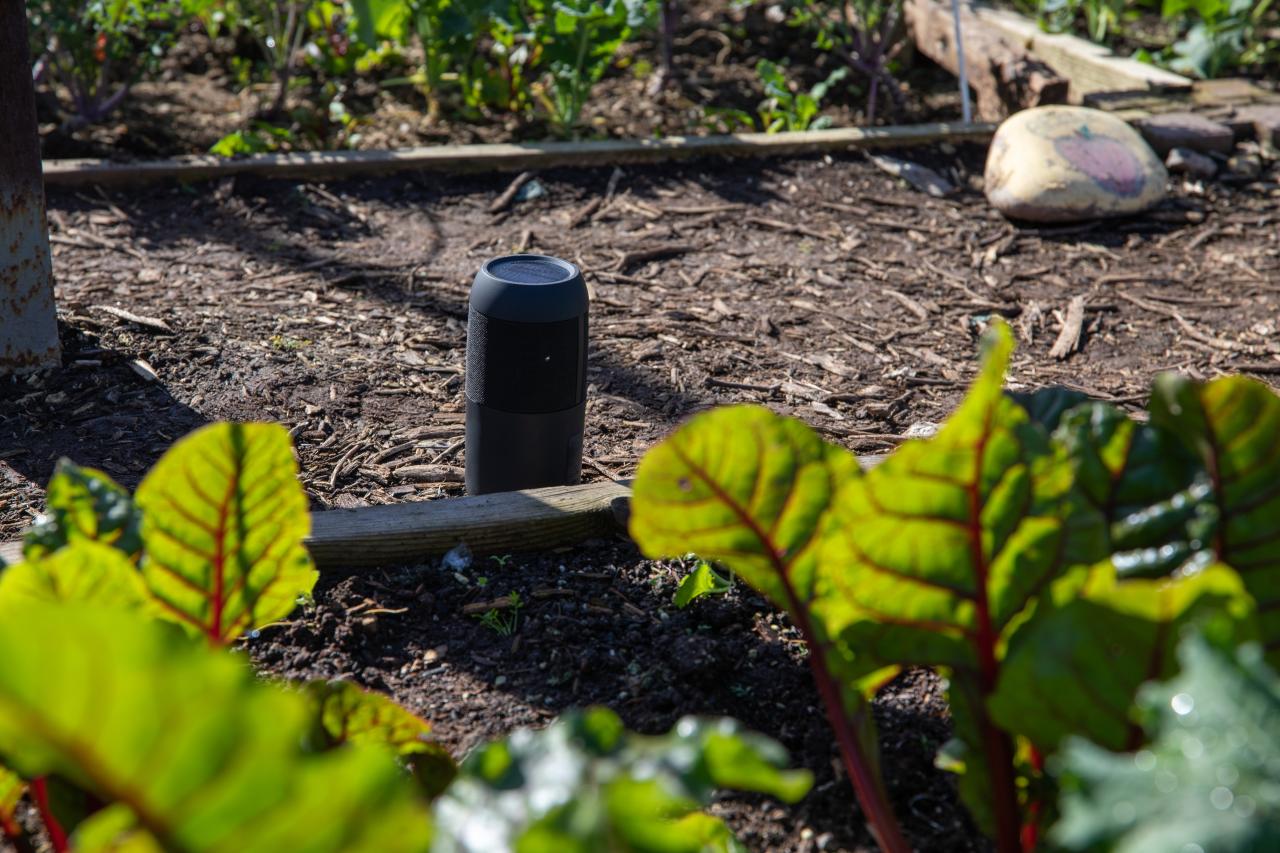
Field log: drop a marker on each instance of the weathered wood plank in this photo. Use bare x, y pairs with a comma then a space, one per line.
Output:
1090, 67
1004, 76
346, 540
507, 157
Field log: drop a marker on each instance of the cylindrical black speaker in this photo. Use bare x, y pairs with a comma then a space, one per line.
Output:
526, 374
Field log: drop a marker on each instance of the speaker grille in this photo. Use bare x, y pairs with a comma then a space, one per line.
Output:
526, 367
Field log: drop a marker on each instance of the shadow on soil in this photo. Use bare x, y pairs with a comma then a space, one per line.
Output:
597, 627
95, 409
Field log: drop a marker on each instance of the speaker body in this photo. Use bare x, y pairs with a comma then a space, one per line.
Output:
526, 379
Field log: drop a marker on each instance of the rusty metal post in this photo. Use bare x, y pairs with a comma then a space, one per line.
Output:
28, 324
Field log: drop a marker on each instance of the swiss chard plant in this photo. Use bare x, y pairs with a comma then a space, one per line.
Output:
784, 109
127, 722
89, 54
1045, 554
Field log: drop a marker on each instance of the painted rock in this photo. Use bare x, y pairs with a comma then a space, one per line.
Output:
1065, 164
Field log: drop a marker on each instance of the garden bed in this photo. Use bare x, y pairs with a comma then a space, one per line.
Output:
819, 287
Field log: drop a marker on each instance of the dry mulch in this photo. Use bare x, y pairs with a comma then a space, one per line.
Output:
818, 287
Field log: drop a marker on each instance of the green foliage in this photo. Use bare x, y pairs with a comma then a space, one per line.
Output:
184, 743
92, 52
864, 35
1209, 778
1045, 552
224, 518
259, 138
347, 714
83, 505
783, 109
11, 790
584, 784
703, 580
83, 571
1207, 38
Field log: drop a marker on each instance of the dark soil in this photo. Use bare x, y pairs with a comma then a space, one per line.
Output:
819, 287
198, 99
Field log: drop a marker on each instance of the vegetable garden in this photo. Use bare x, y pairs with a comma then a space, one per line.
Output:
903, 525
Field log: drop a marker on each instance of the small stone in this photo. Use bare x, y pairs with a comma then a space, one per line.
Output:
1186, 130
149, 275
1184, 161
921, 178
1066, 164
1263, 120
1245, 165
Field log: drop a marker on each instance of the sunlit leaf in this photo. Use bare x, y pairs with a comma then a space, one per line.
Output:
224, 519
703, 580
83, 504
11, 790
84, 571
203, 754
1232, 424
346, 713
937, 553
1076, 668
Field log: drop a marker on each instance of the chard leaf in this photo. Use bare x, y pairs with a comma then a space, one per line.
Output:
83, 571
753, 491
1147, 485
346, 713
11, 789
937, 554
1209, 780
224, 519
1075, 669
202, 754
585, 784
84, 504
1231, 424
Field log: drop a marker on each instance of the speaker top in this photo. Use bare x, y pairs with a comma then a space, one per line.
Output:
529, 289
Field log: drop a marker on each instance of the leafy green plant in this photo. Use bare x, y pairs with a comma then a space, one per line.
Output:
783, 109
504, 622
182, 744
91, 53
584, 784
703, 580
1102, 18
1226, 34
578, 40
1209, 777
866, 35
979, 550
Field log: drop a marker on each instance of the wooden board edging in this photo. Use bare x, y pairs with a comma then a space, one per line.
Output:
1090, 67
396, 534
498, 157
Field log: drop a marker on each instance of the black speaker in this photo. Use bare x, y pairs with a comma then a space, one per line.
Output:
526, 381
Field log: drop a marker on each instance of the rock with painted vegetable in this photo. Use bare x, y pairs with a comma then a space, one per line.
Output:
1065, 164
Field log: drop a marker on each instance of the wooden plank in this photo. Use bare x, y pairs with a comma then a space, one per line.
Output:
530, 520
1003, 75
1090, 67
507, 157
343, 540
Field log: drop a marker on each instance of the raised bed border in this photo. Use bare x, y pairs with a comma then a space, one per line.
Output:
499, 157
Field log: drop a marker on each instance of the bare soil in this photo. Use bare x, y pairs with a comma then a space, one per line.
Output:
819, 287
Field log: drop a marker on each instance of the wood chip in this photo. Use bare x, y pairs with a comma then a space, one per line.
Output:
1069, 338
910, 304
429, 474
145, 370
153, 323
503, 201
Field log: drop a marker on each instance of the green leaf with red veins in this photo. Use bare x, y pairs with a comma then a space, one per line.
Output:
1147, 485
936, 555
346, 713
83, 571
224, 519
752, 490
11, 790
83, 504
1075, 669
1233, 425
